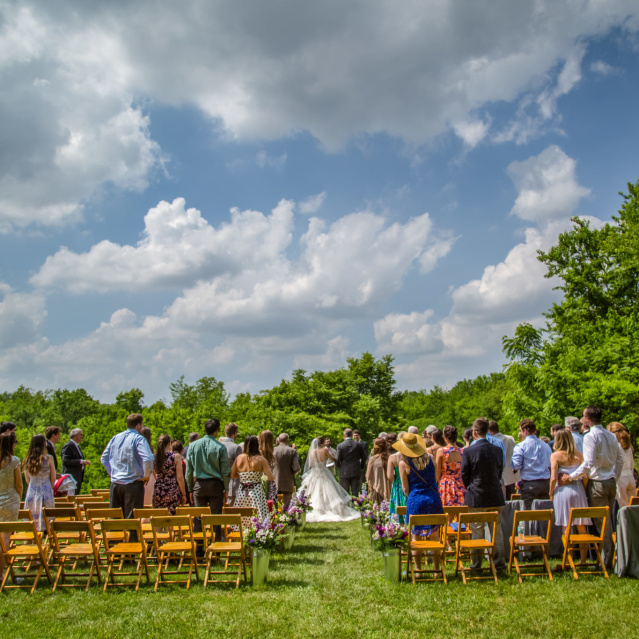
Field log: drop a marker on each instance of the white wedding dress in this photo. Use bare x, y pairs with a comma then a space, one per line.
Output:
329, 500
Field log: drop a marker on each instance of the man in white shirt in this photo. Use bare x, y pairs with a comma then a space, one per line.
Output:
603, 463
509, 476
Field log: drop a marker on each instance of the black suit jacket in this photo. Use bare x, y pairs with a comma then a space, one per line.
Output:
71, 463
51, 451
350, 459
481, 469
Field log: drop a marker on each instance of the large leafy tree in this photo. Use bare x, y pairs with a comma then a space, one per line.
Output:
588, 353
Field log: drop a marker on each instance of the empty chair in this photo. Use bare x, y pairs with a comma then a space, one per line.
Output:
471, 546
23, 552
452, 528
572, 541
435, 548
179, 546
528, 542
246, 512
74, 540
120, 551
230, 548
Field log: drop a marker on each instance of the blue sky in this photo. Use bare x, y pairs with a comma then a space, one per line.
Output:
239, 190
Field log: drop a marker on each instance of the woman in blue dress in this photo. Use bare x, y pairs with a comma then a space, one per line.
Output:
417, 472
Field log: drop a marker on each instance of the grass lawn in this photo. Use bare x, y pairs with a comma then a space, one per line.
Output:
331, 585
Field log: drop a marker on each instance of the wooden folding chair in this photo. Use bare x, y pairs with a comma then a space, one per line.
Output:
213, 547
144, 515
452, 528
196, 513
124, 550
243, 511
515, 497
401, 511
82, 500
572, 541
531, 541
27, 552
634, 501
61, 501
177, 547
96, 515
101, 492
84, 548
427, 546
467, 546
68, 512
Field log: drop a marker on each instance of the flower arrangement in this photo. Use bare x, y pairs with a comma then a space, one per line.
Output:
291, 516
390, 535
302, 501
361, 502
377, 514
265, 535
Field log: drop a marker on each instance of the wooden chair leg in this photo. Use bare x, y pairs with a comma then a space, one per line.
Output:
492, 566
600, 560
565, 557
59, 573
518, 570
546, 564
571, 561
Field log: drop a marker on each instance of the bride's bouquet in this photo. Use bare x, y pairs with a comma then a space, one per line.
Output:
301, 501
265, 535
390, 535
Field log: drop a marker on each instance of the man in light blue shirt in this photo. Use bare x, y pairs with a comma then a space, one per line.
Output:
531, 457
573, 424
128, 460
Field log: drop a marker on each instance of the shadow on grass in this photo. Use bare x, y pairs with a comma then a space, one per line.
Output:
303, 548
303, 560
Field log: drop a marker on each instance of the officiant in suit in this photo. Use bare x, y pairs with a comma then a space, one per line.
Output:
481, 470
73, 461
350, 461
287, 465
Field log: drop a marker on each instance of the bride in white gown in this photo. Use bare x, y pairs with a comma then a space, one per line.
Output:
329, 500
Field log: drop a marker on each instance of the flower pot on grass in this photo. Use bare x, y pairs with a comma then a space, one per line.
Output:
391, 564
259, 566
287, 542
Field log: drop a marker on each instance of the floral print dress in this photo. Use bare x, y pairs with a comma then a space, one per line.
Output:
451, 487
166, 492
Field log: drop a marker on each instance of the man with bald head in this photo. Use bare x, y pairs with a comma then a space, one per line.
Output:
287, 464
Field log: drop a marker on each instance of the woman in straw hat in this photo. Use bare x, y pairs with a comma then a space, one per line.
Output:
417, 472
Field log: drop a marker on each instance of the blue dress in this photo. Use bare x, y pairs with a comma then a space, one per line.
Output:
423, 496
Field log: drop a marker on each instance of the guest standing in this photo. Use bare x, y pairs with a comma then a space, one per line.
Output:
574, 425
626, 487
128, 460
207, 469
231, 431
39, 473
448, 470
248, 468
417, 472
10, 485
7, 427
266, 441
376, 479
169, 491
397, 496
509, 476
73, 461
358, 440
565, 460
482, 466
531, 457
53, 433
287, 464
150, 485
437, 437
603, 463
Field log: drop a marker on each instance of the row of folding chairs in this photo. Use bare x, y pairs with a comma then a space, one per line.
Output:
105, 538
455, 528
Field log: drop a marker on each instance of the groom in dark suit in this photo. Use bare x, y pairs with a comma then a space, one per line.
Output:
350, 460
481, 469
73, 461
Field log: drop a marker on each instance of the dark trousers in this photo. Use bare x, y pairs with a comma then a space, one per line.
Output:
534, 489
351, 484
511, 489
603, 493
128, 497
208, 493
286, 499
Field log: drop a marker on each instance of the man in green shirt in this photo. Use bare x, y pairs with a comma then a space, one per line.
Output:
208, 471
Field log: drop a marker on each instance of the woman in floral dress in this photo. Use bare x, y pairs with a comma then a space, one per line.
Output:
248, 468
169, 490
448, 470
39, 471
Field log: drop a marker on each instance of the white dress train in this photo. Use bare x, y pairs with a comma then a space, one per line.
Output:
329, 500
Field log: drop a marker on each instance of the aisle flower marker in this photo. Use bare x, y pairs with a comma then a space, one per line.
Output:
262, 538
302, 501
391, 537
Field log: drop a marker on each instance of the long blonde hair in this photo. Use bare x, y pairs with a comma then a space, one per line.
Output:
419, 462
266, 445
565, 442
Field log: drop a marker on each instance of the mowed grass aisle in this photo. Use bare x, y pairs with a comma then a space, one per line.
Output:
331, 585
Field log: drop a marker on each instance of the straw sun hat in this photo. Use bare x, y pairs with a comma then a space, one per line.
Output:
410, 445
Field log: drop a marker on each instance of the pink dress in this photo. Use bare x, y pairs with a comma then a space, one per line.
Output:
451, 487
